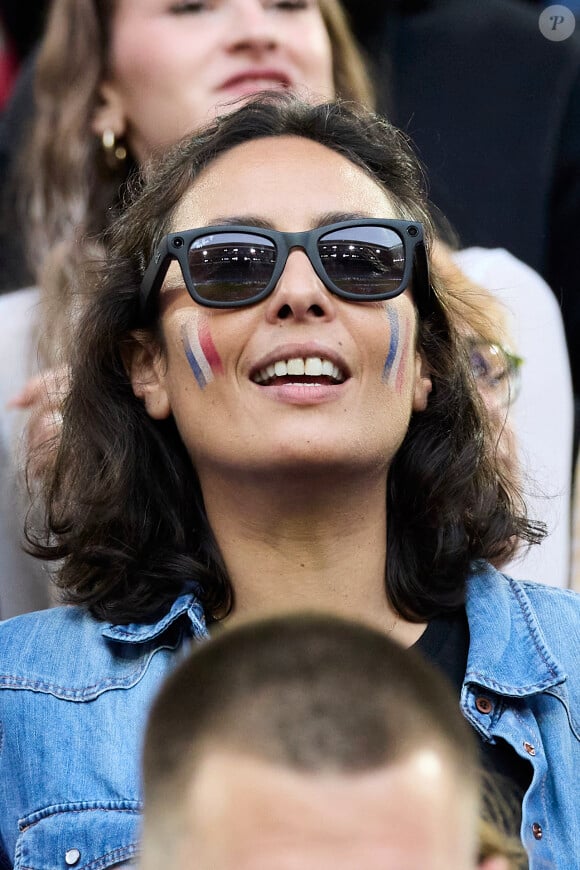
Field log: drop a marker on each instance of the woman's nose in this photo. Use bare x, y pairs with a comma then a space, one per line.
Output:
254, 28
300, 295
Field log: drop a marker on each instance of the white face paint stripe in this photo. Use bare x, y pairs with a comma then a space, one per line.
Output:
405, 341
401, 350
195, 355
396, 361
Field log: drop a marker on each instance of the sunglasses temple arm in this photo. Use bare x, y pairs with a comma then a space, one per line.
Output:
154, 277
422, 280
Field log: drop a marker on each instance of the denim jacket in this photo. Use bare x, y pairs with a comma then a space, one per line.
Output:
74, 695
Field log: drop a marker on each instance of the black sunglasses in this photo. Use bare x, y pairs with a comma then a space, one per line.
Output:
231, 266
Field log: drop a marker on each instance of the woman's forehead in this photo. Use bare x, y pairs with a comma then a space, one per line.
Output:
289, 181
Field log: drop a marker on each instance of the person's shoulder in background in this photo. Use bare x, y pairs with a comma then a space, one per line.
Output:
17, 355
543, 414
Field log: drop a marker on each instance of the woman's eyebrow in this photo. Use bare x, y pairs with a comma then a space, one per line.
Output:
247, 220
250, 220
337, 217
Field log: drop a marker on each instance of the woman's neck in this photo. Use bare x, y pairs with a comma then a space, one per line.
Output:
304, 545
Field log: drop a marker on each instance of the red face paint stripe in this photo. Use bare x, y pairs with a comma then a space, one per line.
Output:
209, 349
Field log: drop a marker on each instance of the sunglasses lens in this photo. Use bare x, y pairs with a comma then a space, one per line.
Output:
231, 267
367, 261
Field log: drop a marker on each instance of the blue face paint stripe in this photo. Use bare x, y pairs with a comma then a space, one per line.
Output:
394, 345
193, 363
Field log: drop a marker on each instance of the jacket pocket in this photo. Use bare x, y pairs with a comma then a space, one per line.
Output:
79, 837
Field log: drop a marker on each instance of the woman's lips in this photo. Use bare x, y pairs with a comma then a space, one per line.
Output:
294, 393
256, 81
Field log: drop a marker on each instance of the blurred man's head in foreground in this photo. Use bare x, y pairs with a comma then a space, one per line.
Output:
309, 743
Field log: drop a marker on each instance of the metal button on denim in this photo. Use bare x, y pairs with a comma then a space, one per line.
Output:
537, 831
484, 705
72, 857
531, 750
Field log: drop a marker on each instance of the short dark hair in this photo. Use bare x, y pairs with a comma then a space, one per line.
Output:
125, 509
309, 692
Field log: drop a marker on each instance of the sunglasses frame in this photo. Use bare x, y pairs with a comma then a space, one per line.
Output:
175, 246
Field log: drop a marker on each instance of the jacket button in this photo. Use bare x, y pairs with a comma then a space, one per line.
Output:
72, 857
484, 705
531, 750
537, 831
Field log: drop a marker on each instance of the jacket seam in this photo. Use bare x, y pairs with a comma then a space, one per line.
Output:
526, 608
103, 861
32, 819
86, 693
476, 678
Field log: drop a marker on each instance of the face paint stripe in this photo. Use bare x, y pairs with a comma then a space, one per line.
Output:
402, 364
209, 349
394, 343
399, 354
193, 363
200, 355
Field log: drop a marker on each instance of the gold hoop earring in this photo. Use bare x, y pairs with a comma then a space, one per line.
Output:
114, 151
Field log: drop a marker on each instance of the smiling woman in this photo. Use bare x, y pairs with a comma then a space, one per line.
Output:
299, 322
195, 487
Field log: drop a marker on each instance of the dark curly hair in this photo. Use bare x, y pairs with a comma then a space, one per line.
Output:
125, 511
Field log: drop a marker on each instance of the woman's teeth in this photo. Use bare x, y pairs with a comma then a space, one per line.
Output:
312, 366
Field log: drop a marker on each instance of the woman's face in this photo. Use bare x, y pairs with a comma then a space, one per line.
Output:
175, 64
210, 372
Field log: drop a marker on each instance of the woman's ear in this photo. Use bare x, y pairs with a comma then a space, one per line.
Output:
109, 116
423, 383
146, 366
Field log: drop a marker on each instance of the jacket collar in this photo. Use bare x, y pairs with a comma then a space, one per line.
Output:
508, 652
185, 605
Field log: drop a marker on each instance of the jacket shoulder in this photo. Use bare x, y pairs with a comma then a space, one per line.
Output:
526, 632
64, 652
558, 615
35, 634
553, 605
